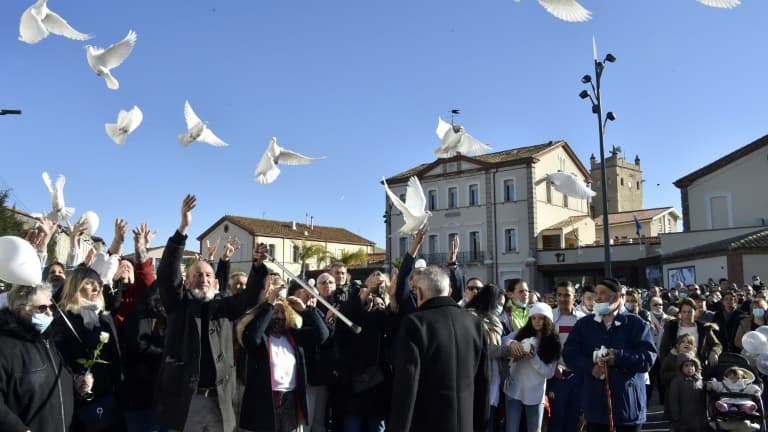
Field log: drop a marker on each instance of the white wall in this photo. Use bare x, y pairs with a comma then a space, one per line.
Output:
714, 267
742, 183
755, 265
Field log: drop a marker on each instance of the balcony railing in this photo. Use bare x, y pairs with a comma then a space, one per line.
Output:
466, 257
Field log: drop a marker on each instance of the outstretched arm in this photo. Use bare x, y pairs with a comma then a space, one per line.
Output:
169, 280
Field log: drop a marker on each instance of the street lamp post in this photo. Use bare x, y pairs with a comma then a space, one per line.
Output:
597, 109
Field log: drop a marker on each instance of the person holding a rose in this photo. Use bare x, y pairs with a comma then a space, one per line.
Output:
88, 343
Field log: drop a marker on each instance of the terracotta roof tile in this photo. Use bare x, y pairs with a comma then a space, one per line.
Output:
567, 223
283, 229
629, 216
754, 241
504, 157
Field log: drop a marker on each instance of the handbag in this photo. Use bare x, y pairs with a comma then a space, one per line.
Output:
369, 377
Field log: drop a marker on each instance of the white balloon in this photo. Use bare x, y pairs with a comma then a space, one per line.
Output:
754, 342
93, 221
19, 263
762, 363
763, 330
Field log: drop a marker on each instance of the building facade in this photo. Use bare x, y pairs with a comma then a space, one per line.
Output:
284, 241
490, 203
624, 184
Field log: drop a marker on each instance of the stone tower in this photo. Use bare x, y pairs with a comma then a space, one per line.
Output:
624, 183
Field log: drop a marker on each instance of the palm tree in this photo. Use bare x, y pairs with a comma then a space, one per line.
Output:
307, 251
354, 257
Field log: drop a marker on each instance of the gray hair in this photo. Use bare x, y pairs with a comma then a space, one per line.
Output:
434, 282
237, 274
21, 295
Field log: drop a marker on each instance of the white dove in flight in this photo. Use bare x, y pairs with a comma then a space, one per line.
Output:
414, 209
568, 184
566, 10
454, 139
267, 171
197, 130
58, 212
37, 22
127, 122
724, 4
103, 60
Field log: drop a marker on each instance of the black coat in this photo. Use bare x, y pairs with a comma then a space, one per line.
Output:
441, 372
257, 397
357, 355
142, 337
726, 332
180, 369
35, 387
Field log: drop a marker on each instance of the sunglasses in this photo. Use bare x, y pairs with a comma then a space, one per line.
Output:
474, 288
43, 308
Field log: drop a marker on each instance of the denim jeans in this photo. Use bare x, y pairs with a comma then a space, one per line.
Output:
353, 423
533, 415
141, 421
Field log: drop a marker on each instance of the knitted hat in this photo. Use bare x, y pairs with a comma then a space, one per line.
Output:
541, 309
611, 284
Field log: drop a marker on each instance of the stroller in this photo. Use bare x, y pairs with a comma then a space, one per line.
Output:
735, 420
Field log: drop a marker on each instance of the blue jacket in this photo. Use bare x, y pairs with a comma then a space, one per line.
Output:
630, 338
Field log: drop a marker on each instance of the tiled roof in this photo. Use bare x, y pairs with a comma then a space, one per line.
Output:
283, 229
513, 156
568, 222
722, 162
754, 241
629, 216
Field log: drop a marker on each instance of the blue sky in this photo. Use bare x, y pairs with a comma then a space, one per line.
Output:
362, 83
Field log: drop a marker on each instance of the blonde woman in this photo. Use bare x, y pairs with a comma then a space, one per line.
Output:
378, 284
82, 304
275, 335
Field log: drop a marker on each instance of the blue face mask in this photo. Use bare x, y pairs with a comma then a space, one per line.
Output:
758, 312
683, 295
498, 311
41, 321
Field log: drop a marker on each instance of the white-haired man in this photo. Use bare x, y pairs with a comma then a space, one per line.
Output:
197, 376
443, 349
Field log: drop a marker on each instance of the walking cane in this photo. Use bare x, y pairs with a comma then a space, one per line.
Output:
608, 395
356, 329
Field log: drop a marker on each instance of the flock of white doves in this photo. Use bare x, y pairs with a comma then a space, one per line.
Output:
37, 22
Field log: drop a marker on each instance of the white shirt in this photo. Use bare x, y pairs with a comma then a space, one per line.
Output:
693, 331
563, 326
282, 359
528, 378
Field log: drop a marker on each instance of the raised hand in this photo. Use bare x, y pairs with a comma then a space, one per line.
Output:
74, 233
296, 304
417, 239
121, 229
189, 203
210, 249
230, 247
259, 252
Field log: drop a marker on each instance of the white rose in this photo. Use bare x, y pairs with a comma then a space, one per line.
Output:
104, 337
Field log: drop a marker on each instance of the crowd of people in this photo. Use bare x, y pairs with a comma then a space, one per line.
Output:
105, 345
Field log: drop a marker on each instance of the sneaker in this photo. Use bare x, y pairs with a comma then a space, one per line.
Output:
753, 426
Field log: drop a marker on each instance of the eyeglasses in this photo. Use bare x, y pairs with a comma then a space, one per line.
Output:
43, 308
474, 288
656, 304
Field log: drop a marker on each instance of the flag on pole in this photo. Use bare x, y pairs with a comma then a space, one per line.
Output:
638, 227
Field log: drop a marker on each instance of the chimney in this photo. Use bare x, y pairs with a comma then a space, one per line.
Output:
293, 225
311, 222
